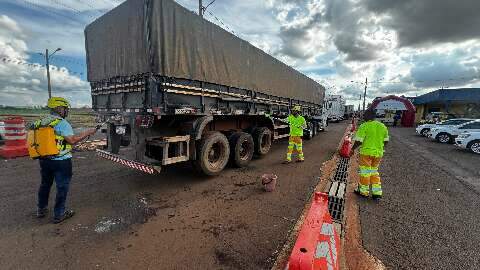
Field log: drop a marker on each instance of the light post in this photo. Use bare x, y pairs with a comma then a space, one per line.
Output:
47, 62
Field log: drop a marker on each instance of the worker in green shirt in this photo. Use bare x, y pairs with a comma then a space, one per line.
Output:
372, 135
297, 123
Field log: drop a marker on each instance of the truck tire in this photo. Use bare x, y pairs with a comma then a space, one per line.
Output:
241, 149
212, 153
309, 133
263, 140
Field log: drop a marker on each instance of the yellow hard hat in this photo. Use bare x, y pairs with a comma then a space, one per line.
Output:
297, 108
55, 102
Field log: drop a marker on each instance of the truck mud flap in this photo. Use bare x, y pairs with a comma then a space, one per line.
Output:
143, 167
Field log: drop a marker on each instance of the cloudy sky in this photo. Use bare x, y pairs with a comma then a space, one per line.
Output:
406, 47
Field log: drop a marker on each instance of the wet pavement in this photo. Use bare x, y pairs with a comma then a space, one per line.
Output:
429, 216
175, 220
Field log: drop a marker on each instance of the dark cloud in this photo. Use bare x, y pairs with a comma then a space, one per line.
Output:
420, 22
294, 37
341, 19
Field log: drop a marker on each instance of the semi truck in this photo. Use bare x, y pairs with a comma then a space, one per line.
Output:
335, 107
349, 111
173, 87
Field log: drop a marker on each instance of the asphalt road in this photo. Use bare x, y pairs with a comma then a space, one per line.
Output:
176, 220
429, 216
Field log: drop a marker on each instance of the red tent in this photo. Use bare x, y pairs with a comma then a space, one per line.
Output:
397, 104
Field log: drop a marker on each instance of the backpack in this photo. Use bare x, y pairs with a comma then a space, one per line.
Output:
41, 138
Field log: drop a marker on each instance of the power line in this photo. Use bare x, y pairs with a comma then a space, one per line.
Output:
423, 81
221, 22
7, 60
57, 14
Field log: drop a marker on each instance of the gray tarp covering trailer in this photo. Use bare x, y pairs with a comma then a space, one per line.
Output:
175, 87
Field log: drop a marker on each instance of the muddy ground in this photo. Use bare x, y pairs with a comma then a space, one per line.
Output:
177, 220
429, 216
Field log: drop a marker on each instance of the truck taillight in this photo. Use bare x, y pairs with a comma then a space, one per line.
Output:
144, 121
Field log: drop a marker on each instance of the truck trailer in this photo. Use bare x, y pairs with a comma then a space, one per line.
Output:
173, 87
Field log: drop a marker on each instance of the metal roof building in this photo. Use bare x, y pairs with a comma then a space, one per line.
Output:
461, 102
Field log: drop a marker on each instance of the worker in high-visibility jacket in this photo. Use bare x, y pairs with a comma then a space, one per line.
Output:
58, 168
372, 136
297, 124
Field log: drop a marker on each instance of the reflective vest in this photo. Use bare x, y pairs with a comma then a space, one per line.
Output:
296, 125
372, 135
51, 121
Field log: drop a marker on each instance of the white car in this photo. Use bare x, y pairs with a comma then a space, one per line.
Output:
448, 134
2, 129
425, 128
470, 141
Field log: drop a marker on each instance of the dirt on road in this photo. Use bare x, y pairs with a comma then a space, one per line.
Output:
175, 220
428, 218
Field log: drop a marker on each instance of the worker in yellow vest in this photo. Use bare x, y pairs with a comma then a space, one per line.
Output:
57, 167
297, 124
372, 136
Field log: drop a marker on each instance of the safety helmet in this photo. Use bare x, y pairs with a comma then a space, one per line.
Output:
297, 108
55, 102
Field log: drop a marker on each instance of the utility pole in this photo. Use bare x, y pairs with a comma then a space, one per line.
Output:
47, 62
359, 101
200, 8
365, 93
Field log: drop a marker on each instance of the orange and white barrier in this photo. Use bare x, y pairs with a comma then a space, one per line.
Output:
15, 138
318, 244
347, 145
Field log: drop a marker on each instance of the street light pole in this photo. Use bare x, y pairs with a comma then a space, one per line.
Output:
365, 93
200, 8
48, 74
47, 63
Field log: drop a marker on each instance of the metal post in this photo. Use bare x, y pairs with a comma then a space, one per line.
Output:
365, 94
200, 8
48, 74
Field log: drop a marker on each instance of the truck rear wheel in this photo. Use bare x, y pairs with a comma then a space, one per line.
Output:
309, 133
241, 149
263, 140
212, 153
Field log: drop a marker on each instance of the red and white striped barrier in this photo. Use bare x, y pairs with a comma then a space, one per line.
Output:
318, 244
15, 138
146, 168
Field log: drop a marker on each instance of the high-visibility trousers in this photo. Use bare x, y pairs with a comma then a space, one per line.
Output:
369, 176
295, 142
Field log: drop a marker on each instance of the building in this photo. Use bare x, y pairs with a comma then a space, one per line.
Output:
462, 102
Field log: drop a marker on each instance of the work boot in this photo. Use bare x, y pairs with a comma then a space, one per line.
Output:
357, 191
376, 197
68, 214
42, 212
300, 160
286, 162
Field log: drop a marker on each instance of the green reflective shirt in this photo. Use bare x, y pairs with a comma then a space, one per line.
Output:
372, 135
296, 125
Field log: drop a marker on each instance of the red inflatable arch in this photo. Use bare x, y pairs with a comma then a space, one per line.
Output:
408, 115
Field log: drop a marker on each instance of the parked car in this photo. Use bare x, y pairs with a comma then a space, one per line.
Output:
425, 128
447, 134
470, 141
2, 129
435, 117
